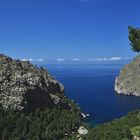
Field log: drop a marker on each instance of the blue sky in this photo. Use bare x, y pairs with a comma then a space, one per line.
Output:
67, 29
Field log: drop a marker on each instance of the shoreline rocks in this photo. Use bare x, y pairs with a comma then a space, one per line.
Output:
82, 130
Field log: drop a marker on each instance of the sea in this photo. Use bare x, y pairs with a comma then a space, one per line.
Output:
91, 86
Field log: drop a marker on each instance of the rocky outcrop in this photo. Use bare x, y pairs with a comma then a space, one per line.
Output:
25, 87
128, 82
136, 138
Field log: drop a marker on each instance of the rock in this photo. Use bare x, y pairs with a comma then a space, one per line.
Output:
84, 116
135, 131
136, 138
82, 130
25, 87
128, 81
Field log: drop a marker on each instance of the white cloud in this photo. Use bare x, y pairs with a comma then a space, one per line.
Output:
40, 60
98, 59
115, 58
30, 59
76, 59
24, 60
106, 59
60, 59
27, 59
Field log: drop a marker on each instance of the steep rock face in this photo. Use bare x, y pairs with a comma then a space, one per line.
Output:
128, 82
25, 87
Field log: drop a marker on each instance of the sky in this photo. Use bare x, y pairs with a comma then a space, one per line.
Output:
92, 30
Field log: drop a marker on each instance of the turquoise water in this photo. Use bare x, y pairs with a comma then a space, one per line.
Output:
92, 87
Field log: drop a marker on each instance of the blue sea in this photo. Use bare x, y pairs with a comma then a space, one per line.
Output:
92, 87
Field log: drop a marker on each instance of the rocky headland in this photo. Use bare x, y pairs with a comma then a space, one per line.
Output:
25, 87
33, 104
128, 81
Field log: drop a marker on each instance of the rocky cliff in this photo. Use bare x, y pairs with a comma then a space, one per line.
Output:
128, 82
25, 87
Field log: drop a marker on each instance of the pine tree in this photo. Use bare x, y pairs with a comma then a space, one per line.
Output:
134, 37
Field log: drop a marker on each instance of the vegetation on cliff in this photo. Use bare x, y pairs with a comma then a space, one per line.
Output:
47, 124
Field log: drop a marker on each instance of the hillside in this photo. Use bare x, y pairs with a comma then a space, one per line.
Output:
125, 128
33, 105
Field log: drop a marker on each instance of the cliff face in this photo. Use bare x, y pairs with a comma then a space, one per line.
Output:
25, 87
128, 82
